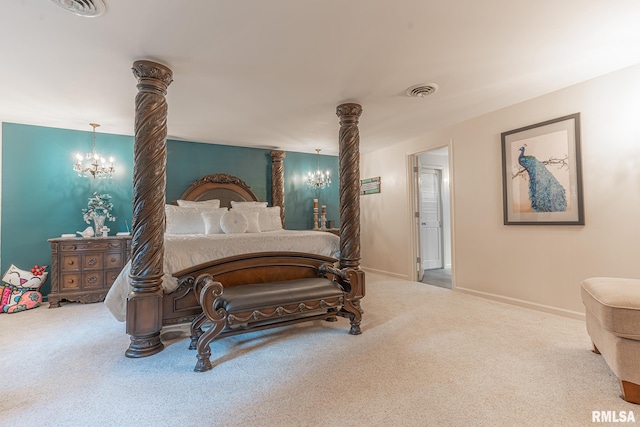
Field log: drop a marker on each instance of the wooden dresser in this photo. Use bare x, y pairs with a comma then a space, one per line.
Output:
83, 269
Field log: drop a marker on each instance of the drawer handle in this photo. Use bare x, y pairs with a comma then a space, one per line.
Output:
113, 277
70, 263
92, 279
70, 281
113, 260
93, 261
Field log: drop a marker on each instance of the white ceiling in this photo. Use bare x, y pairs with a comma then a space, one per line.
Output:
270, 73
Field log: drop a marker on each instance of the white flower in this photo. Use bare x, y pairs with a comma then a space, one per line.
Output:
99, 204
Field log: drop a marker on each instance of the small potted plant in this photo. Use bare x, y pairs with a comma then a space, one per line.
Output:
98, 210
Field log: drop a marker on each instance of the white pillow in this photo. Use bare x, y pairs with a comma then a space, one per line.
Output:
269, 219
252, 216
234, 222
183, 220
206, 204
248, 205
211, 218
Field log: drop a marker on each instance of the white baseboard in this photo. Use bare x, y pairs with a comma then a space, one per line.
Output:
386, 273
522, 303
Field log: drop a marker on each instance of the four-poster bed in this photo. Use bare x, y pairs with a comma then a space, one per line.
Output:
183, 251
146, 303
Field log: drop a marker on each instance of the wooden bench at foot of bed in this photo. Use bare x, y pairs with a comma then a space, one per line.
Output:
265, 290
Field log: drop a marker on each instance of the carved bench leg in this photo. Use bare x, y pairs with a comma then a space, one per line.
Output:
351, 309
196, 330
208, 296
352, 300
204, 349
630, 392
355, 316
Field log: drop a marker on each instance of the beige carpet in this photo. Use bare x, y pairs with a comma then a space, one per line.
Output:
427, 357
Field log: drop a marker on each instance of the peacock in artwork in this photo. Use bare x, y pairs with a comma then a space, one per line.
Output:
545, 192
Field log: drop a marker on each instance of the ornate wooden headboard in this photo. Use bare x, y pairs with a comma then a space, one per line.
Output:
220, 186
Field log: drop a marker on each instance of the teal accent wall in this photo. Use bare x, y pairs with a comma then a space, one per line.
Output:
42, 197
298, 198
187, 162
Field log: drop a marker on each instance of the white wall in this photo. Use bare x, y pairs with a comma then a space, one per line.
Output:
537, 266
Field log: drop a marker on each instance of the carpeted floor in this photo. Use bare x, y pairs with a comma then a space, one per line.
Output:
437, 277
427, 357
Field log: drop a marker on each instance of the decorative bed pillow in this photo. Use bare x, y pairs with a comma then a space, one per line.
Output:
21, 300
25, 279
234, 223
270, 219
205, 204
248, 205
184, 220
253, 216
212, 219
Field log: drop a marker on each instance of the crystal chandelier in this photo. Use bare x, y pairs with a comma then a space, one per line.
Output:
93, 164
318, 179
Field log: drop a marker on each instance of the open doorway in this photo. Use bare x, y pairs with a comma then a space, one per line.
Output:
433, 217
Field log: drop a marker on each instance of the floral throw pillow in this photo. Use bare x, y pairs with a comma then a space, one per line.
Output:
19, 299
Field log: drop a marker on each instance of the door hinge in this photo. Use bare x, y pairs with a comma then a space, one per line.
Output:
415, 169
416, 214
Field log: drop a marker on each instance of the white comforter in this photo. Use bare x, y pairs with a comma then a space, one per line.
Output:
186, 250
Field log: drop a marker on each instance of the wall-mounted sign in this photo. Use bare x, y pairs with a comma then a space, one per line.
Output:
370, 186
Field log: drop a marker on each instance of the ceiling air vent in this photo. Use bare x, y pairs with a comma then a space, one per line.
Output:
422, 90
86, 8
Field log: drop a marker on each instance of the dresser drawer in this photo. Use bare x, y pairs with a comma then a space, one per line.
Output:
110, 276
93, 261
70, 262
92, 245
113, 260
93, 280
70, 281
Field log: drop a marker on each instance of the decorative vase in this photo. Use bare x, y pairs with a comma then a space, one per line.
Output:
98, 223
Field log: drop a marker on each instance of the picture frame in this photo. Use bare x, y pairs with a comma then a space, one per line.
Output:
542, 173
370, 186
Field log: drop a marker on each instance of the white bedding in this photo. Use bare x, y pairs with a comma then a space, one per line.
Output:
186, 250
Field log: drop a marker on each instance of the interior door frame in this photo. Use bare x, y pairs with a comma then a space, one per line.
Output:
412, 168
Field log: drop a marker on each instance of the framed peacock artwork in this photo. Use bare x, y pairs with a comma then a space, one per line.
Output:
541, 173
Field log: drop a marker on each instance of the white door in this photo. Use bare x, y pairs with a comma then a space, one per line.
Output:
431, 218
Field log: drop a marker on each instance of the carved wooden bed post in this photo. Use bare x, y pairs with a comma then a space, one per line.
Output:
144, 305
277, 180
349, 185
349, 140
